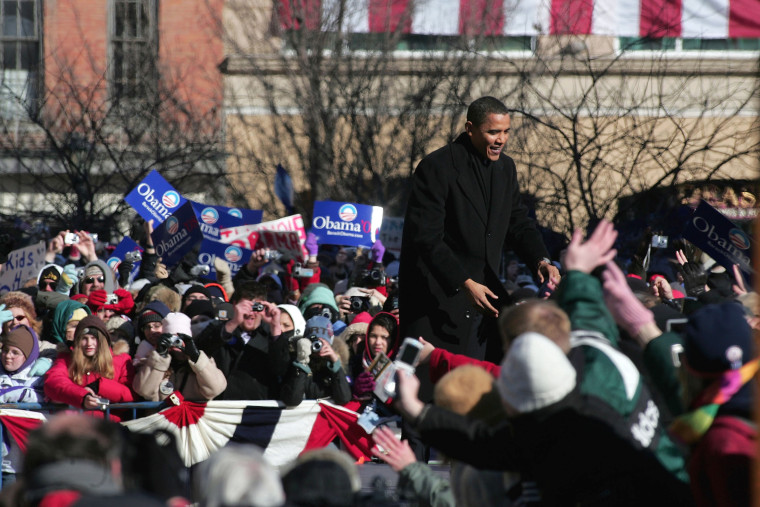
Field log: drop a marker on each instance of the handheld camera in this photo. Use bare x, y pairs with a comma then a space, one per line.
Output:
301, 272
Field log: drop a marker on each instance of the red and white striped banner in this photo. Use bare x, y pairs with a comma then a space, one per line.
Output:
707, 19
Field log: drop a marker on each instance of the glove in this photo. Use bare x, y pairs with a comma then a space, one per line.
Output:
303, 350
628, 312
5, 315
97, 299
694, 278
164, 342
311, 244
41, 365
126, 303
364, 384
377, 252
68, 278
190, 348
125, 268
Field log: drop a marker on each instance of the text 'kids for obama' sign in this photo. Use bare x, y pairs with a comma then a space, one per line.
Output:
720, 238
154, 198
344, 223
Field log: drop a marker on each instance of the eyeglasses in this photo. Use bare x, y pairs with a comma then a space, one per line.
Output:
91, 279
48, 283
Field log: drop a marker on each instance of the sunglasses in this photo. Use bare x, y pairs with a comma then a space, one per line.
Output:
91, 279
49, 283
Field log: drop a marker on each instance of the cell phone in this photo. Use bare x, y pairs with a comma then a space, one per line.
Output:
71, 238
409, 353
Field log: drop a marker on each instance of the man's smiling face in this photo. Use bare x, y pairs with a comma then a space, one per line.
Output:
490, 137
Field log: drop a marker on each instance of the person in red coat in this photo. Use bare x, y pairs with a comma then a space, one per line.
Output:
90, 371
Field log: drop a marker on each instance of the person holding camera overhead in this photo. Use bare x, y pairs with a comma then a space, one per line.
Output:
176, 364
247, 348
318, 368
88, 375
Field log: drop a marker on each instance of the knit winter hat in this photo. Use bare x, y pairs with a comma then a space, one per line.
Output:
321, 294
78, 314
94, 270
195, 289
52, 273
299, 324
22, 338
535, 373
200, 307
717, 339
155, 311
319, 327
94, 326
177, 323
121, 323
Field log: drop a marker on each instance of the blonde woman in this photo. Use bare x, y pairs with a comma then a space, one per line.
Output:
89, 371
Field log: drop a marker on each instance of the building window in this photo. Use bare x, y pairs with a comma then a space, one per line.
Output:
20, 46
134, 48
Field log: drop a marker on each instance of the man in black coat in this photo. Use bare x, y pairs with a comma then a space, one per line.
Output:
248, 348
464, 206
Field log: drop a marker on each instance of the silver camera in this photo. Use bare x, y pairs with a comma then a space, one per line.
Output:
200, 270
133, 256
659, 241
103, 403
301, 272
176, 341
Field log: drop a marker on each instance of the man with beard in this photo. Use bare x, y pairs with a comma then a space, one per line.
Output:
247, 348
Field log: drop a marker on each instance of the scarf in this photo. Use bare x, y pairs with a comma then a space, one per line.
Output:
691, 426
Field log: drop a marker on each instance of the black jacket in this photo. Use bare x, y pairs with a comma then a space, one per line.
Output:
322, 382
254, 369
450, 236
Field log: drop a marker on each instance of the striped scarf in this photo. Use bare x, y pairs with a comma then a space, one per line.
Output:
691, 426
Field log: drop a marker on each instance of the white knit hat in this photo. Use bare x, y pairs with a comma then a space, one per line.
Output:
535, 373
176, 322
299, 323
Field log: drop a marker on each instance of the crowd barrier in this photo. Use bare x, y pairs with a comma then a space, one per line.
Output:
201, 428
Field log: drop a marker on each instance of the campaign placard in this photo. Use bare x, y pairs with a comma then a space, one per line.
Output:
720, 238
212, 219
391, 232
247, 235
248, 216
345, 223
177, 235
125, 246
235, 256
154, 198
23, 264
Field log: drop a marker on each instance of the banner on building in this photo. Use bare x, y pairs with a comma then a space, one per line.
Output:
720, 238
154, 198
23, 264
346, 223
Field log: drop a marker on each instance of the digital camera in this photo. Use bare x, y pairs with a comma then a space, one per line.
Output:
272, 255
374, 277
133, 256
316, 343
358, 304
659, 241
200, 270
301, 272
257, 307
176, 341
71, 238
103, 403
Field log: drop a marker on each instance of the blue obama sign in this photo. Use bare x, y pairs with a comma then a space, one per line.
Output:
154, 198
235, 256
720, 238
177, 235
345, 223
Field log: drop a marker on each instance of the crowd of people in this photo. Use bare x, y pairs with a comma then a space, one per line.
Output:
583, 382
612, 379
